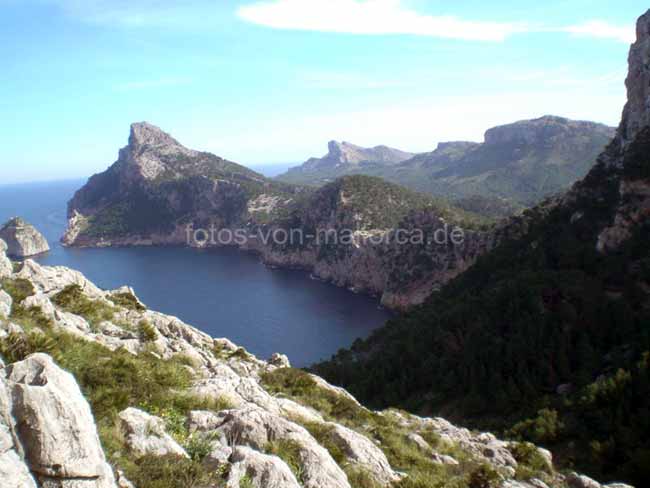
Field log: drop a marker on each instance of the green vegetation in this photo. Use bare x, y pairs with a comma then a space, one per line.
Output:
147, 332
17, 288
170, 472
127, 300
542, 310
545, 428
29, 317
289, 452
72, 299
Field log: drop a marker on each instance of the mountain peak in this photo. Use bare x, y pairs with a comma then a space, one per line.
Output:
146, 134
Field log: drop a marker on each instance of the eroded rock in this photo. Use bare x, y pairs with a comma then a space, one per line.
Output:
23, 240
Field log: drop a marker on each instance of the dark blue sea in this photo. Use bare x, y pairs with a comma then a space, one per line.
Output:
223, 292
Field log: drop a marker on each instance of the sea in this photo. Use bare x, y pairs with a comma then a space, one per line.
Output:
223, 292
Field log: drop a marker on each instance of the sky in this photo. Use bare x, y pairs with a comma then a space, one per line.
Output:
268, 82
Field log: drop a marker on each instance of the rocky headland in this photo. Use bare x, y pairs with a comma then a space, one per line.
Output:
358, 232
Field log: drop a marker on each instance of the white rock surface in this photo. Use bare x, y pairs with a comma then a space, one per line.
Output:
52, 279
53, 426
5, 304
6, 268
262, 470
361, 451
254, 427
145, 434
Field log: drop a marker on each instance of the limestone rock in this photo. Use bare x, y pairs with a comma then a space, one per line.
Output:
419, 441
53, 279
13, 469
146, 434
6, 268
279, 360
444, 459
54, 425
218, 457
23, 240
361, 451
5, 304
254, 427
262, 470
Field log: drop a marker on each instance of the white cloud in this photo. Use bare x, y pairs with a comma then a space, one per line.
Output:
603, 30
373, 17
370, 17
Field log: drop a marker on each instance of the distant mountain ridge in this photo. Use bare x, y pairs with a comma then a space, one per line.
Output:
343, 157
522, 162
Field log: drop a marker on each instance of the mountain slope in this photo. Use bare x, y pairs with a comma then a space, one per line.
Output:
521, 162
552, 328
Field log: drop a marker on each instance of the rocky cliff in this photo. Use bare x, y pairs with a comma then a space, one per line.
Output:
520, 163
166, 405
159, 192
22, 239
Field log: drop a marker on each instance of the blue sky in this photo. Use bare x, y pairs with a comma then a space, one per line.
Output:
262, 82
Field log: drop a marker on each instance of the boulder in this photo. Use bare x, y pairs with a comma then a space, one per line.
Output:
14, 472
145, 434
262, 470
23, 240
279, 360
53, 424
419, 441
361, 451
218, 457
253, 427
575, 480
444, 459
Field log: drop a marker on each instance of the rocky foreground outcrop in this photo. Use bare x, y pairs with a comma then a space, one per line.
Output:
22, 239
261, 424
48, 436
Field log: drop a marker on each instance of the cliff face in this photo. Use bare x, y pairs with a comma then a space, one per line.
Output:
377, 238
159, 192
167, 405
